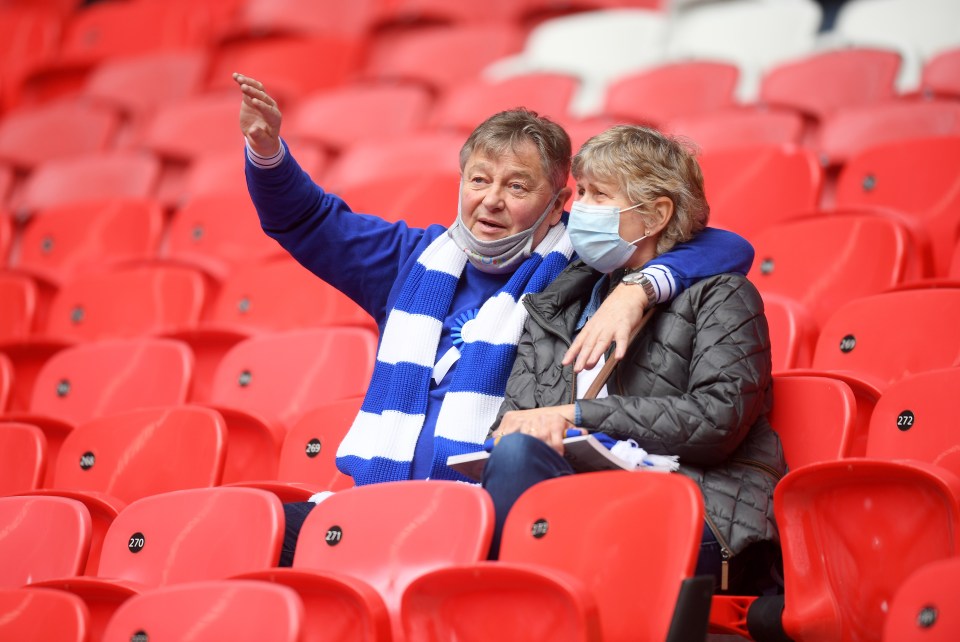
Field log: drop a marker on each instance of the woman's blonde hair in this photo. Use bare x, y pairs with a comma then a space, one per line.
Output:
647, 164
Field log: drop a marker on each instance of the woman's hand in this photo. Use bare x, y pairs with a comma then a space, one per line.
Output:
615, 320
259, 117
546, 424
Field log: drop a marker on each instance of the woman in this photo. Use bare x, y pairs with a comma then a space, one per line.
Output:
695, 383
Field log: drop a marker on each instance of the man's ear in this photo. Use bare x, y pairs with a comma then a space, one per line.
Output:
562, 197
660, 215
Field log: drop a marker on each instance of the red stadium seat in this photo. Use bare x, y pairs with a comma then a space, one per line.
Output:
339, 117
116, 174
793, 332
48, 614
219, 173
71, 239
26, 462
753, 187
342, 560
236, 610
126, 302
821, 83
859, 523
30, 137
412, 55
264, 383
421, 200
286, 65
29, 36
175, 538
113, 30
825, 260
183, 130
137, 85
915, 177
914, 419
308, 457
941, 75
850, 131
115, 459
259, 18
6, 380
924, 606
19, 300
82, 382
885, 337
465, 105
672, 90
265, 297
814, 417
545, 535
219, 233
398, 157
739, 127
43, 538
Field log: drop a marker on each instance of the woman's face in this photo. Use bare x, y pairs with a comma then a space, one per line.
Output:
506, 194
592, 191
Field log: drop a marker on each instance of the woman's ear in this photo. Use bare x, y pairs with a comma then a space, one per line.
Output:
660, 215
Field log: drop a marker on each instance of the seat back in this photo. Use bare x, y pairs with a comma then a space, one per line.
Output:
814, 417
62, 242
924, 607
25, 448
913, 177
280, 376
282, 295
44, 614
428, 198
672, 90
387, 534
793, 332
18, 298
219, 233
852, 130
885, 337
855, 254
239, 610
192, 535
340, 116
6, 381
365, 161
81, 382
309, 452
852, 531
646, 526
941, 75
915, 418
738, 127
43, 538
30, 137
821, 83
183, 130
752, 187
127, 302
144, 452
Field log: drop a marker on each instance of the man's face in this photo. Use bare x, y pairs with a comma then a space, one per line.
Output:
506, 194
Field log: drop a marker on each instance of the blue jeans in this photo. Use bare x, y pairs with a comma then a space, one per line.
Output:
519, 461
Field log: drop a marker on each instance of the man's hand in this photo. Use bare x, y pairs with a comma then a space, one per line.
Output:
546, 424
259, 117
616, 320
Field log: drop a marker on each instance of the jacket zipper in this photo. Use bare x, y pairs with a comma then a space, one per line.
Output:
725, 553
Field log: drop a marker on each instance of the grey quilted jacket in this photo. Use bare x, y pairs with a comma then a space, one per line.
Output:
695, 383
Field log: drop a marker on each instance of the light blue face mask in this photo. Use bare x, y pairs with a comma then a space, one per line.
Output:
595, 233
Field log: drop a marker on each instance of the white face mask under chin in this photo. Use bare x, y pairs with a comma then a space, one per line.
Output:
595, 234
500, 255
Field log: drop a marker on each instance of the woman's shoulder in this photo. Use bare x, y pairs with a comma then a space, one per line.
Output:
728, 290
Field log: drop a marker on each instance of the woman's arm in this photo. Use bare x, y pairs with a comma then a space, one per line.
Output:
711, 252
727, 384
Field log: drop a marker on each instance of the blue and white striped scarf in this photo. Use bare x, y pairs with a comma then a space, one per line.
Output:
380, 444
